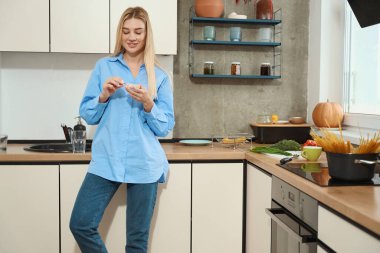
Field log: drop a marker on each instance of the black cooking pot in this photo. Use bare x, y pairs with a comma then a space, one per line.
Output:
352, 167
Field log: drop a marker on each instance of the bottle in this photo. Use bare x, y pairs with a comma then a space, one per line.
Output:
264, 9
79, 125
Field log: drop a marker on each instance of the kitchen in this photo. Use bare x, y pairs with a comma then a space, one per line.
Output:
203, 107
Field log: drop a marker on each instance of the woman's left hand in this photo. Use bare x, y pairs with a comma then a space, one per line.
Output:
140, 94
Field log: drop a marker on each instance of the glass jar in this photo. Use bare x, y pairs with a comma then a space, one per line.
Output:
265, 69
235, 68
264, 9
208, 68
263, 119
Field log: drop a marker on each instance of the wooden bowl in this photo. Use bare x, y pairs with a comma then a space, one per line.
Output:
297, 120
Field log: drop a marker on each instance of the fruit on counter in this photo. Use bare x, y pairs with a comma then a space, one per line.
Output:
274, 118
310, 143
287, 145
328, 114
269, 150
233, 140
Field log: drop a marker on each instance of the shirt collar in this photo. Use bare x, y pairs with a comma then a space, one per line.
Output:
120, 58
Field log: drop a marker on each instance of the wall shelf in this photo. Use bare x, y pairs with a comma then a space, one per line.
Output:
235, 76
223, 24
235, 43
235, 21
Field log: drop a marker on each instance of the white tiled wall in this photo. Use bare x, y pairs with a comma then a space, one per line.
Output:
39, 91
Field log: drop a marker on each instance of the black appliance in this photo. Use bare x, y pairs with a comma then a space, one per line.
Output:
294, 219
318, 174
367, 12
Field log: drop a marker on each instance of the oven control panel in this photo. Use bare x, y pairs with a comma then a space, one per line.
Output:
298, 203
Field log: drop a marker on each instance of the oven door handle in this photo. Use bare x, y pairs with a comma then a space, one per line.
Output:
300, 238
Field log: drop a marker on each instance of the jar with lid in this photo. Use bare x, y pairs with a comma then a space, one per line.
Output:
264, 9
265, 69
235, 68
208, 68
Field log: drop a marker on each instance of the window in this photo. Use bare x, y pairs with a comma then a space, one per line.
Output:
362, 73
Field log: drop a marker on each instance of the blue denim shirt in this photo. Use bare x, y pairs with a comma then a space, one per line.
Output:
125, 147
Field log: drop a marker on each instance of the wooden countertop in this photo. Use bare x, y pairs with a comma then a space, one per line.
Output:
358, 203
174, 152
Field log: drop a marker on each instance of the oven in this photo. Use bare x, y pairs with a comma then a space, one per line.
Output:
294, 219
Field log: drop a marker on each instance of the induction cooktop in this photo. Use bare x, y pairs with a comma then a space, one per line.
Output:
318, 173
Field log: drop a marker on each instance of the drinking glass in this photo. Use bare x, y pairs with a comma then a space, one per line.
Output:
79, 141
209, 33
235, 34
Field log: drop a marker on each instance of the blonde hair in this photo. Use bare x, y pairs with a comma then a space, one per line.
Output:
149, 55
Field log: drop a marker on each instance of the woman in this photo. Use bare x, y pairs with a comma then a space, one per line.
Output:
131, 101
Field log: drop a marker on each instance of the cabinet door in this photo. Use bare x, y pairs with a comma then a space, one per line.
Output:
170, 228
258, 223
342, 236
29, 213
24, 25
79, 26
112, 226
217, 207
163, 17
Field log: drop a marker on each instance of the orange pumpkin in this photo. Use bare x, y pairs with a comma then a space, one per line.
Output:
328, 114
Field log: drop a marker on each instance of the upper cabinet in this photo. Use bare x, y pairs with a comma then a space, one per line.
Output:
86, 26
24, 25
163, 17
79, 26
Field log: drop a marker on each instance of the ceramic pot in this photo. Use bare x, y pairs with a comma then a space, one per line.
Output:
209, 8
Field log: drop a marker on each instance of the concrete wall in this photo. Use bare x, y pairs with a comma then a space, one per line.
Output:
221, 106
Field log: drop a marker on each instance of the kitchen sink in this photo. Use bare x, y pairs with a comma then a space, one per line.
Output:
54, 148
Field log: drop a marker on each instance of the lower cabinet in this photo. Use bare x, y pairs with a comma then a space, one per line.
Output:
170, 229
29, 212
112, 227
342, 236
171, 224
217, 207
258, 223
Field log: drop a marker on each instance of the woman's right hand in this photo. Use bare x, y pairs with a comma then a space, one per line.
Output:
109, 88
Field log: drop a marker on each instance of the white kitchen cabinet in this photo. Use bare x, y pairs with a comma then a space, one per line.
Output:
29, 212
79, 26
342, 236
258, 223
112, 226
217, 207
24, 25
163, 17
170, 228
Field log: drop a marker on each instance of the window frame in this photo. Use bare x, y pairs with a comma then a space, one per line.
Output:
354, 120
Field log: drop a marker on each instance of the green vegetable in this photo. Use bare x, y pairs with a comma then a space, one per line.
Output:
269, 150
287, 145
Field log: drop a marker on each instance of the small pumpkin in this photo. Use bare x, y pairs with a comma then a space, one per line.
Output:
328, 114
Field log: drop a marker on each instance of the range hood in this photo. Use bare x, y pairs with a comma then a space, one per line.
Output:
367, 12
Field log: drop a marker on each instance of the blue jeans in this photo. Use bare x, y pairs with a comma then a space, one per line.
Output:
93, 198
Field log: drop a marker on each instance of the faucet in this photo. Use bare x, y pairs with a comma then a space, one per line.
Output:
68, 131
